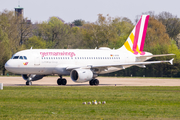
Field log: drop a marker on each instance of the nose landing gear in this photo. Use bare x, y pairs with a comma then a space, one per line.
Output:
28, 82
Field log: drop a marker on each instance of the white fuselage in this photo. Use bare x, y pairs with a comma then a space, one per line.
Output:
56, 61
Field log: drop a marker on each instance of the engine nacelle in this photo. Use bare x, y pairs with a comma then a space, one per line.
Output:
32, 77
81, 75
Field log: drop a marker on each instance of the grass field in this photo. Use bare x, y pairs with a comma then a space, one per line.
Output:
62, 102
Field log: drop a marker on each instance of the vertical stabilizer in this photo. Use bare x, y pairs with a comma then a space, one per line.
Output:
136, 39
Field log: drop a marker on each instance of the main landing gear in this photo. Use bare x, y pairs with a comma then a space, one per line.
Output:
61, 81
94, 82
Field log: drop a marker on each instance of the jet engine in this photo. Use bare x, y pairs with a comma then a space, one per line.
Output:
81, 75
32, 77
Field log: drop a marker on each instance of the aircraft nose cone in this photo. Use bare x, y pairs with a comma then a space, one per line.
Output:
13, 66
6, 65
9, 66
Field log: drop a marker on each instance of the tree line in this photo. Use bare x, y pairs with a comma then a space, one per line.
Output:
16, 34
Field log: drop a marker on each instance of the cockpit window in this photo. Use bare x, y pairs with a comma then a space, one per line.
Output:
15, 57
12, 57
20, 57
25, 57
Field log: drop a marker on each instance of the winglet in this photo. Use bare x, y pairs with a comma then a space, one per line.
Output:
171, 61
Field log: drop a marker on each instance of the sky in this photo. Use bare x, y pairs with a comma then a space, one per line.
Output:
70, 10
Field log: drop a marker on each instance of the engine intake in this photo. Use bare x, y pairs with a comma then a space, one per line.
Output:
81, 75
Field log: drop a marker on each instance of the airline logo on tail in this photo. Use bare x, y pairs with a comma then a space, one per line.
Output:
135, 41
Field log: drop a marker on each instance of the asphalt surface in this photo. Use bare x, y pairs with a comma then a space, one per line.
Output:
103, 81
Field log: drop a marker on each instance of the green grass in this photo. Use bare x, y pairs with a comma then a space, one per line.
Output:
65, 102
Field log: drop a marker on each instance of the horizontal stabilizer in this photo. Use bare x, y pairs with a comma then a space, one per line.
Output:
142, 66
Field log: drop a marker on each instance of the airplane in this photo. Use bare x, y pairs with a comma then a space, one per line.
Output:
84, 65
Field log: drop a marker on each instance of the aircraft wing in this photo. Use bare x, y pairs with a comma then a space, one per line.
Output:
145, 56
121, 65
135, 63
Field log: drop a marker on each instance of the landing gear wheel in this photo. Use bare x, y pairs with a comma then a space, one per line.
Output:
94, 82
28, 83
61, 81
91, 82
